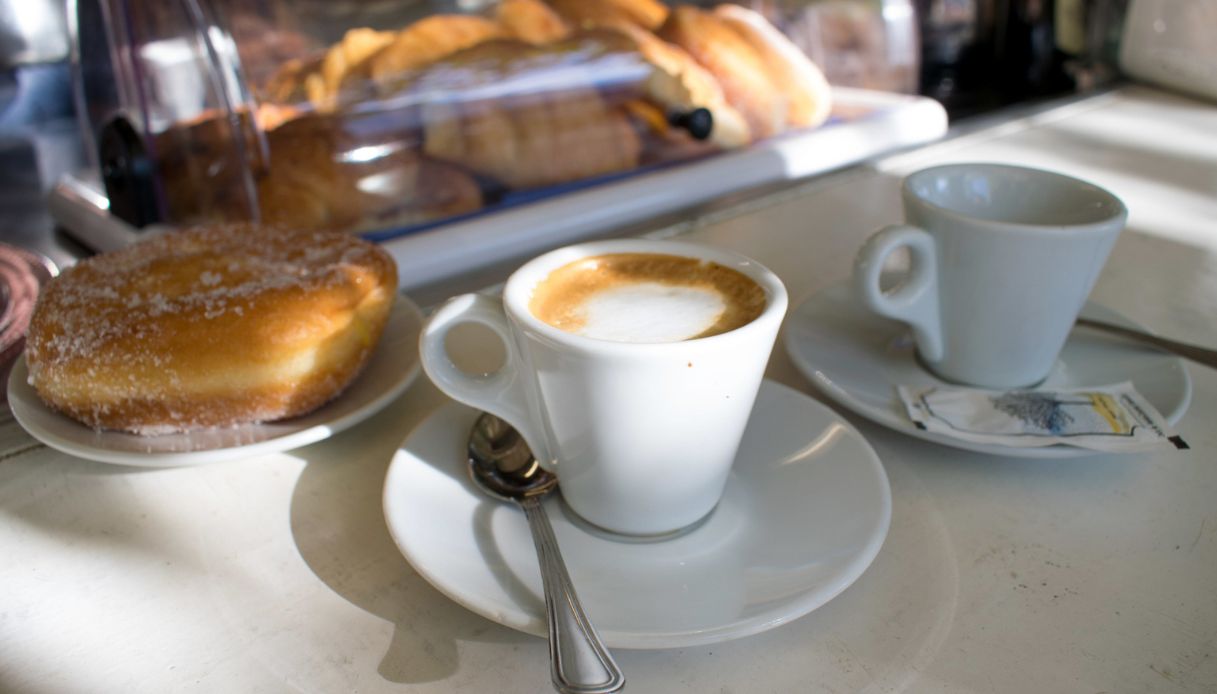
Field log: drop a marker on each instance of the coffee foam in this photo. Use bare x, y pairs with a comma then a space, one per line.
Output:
650, 312
646, 298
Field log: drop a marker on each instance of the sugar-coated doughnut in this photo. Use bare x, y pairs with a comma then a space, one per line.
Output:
209, 327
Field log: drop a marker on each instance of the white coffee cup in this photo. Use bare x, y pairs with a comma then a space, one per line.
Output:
641, 435
1002, 259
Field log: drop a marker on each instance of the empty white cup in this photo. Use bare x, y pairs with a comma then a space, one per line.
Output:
1002, 259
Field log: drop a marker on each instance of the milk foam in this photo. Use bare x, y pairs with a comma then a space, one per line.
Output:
650, 312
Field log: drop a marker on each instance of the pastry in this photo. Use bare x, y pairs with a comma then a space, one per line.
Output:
808, 96
498, 124
453, 110
347, 62
742, 72
286, 85
209, 327
384, 57
427, 41
586, 14
206, 167
346, 172
531, 21
680, 84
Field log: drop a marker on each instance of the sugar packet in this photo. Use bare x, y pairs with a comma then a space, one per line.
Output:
1113, 419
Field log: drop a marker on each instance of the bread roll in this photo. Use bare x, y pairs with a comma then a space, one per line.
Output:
210, 327
809, 98
681, 84
742, 72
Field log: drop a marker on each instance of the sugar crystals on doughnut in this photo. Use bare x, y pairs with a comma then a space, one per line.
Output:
209, 327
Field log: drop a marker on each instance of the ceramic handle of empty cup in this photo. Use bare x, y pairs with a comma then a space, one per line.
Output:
506, 393
915, 301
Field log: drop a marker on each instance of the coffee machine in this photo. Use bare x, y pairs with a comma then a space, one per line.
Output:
981, 55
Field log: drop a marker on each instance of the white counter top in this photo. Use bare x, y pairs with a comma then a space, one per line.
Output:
277, 574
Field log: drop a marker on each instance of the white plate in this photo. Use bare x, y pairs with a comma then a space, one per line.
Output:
392, 368
857, 358
804, 513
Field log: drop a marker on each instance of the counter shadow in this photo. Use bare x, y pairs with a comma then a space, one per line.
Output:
338, 525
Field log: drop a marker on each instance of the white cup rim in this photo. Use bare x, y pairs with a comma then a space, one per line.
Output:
518, 291
1118, 211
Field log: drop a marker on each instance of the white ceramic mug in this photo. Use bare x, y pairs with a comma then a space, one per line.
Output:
641, 436
1002, 259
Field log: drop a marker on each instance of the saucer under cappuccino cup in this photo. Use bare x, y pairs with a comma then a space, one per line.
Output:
1001, 260
631, 370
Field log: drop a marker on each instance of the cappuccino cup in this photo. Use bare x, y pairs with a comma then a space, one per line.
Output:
631, 369
1001, 260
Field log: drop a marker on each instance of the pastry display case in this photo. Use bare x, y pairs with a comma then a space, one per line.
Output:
458, 133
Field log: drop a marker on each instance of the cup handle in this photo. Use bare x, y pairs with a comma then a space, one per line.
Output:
507, 393
916, 300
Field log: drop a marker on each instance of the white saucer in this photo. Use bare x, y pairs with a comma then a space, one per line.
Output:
804, 513
857, 358
392, 368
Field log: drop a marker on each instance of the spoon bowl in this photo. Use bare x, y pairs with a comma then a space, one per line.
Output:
501, 463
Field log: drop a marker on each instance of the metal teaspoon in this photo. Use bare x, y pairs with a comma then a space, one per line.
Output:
1200, 355
501, 464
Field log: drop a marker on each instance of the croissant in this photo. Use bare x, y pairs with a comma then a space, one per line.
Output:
543, 92
347, 60
428, 40
286, 85
498, 124
532, 21
383, 56
647, 14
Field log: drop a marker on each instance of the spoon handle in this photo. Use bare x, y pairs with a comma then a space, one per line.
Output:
579, 661
1199, 355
